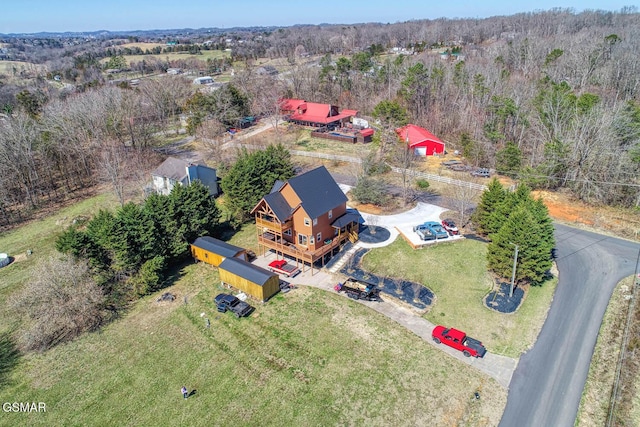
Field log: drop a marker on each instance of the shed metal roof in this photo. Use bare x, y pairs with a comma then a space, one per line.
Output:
217, 246
415, 135
246, 270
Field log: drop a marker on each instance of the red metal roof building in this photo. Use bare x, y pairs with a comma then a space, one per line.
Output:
314, 114
420, 140
290, 106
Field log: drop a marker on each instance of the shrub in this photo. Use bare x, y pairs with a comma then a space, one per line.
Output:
422, 183
370, 190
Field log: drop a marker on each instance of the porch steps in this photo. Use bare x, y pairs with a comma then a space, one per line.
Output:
344, 257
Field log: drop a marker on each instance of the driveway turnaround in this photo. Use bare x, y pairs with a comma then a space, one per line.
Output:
548, 383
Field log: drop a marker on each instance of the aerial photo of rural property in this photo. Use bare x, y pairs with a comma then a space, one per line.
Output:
276, 213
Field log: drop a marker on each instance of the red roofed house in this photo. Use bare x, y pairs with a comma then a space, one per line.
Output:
420, 140
314, 114
290, 106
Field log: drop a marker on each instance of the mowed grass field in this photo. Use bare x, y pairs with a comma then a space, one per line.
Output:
308, 357
7, 67
172, 56
456, 273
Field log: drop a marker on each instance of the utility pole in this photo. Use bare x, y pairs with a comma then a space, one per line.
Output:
513, 272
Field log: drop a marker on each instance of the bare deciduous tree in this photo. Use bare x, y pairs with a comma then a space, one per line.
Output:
60, 302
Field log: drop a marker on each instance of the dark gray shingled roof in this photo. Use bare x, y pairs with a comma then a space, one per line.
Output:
217, 246
277, 186
318, 191
346, 219
246, 270
172, 168
278, 205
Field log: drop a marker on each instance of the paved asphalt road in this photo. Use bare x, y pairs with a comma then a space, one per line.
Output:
547, 385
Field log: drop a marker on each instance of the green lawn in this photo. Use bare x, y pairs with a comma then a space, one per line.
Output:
456, 273
308, 358
40, 237
305, 142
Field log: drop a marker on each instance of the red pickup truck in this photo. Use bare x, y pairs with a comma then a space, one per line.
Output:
458, 340
280, 266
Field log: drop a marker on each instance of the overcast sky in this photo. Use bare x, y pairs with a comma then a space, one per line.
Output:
30, 16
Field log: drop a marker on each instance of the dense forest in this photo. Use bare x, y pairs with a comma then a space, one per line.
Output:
549, 98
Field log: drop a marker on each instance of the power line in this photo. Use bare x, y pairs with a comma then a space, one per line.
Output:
586, 181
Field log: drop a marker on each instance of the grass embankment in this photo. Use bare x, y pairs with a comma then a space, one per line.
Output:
306, 358
595, 404
456, 273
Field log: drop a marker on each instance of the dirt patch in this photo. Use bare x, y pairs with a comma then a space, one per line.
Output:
564, 208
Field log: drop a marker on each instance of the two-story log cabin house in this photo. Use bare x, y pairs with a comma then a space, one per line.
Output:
305, 218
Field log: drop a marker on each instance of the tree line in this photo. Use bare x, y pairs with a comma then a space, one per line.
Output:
551, 105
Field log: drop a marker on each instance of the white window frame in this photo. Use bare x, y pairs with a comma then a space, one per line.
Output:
307, 222
319, 237
330, 213
302, 239
287, 232
311, 241
315, 221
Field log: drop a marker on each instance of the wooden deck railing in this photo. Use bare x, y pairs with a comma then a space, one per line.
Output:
272, 225
306, 256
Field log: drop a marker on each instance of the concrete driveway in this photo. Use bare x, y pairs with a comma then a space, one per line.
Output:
403, 221
500, 368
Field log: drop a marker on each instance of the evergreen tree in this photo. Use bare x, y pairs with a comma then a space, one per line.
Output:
391, 114
490, 199
192, 213
502, 210
157, 212
251, 177
530, 227
509, 160
133, 240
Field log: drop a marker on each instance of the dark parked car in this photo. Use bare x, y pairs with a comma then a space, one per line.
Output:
459, 340
227, 302
450, 226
